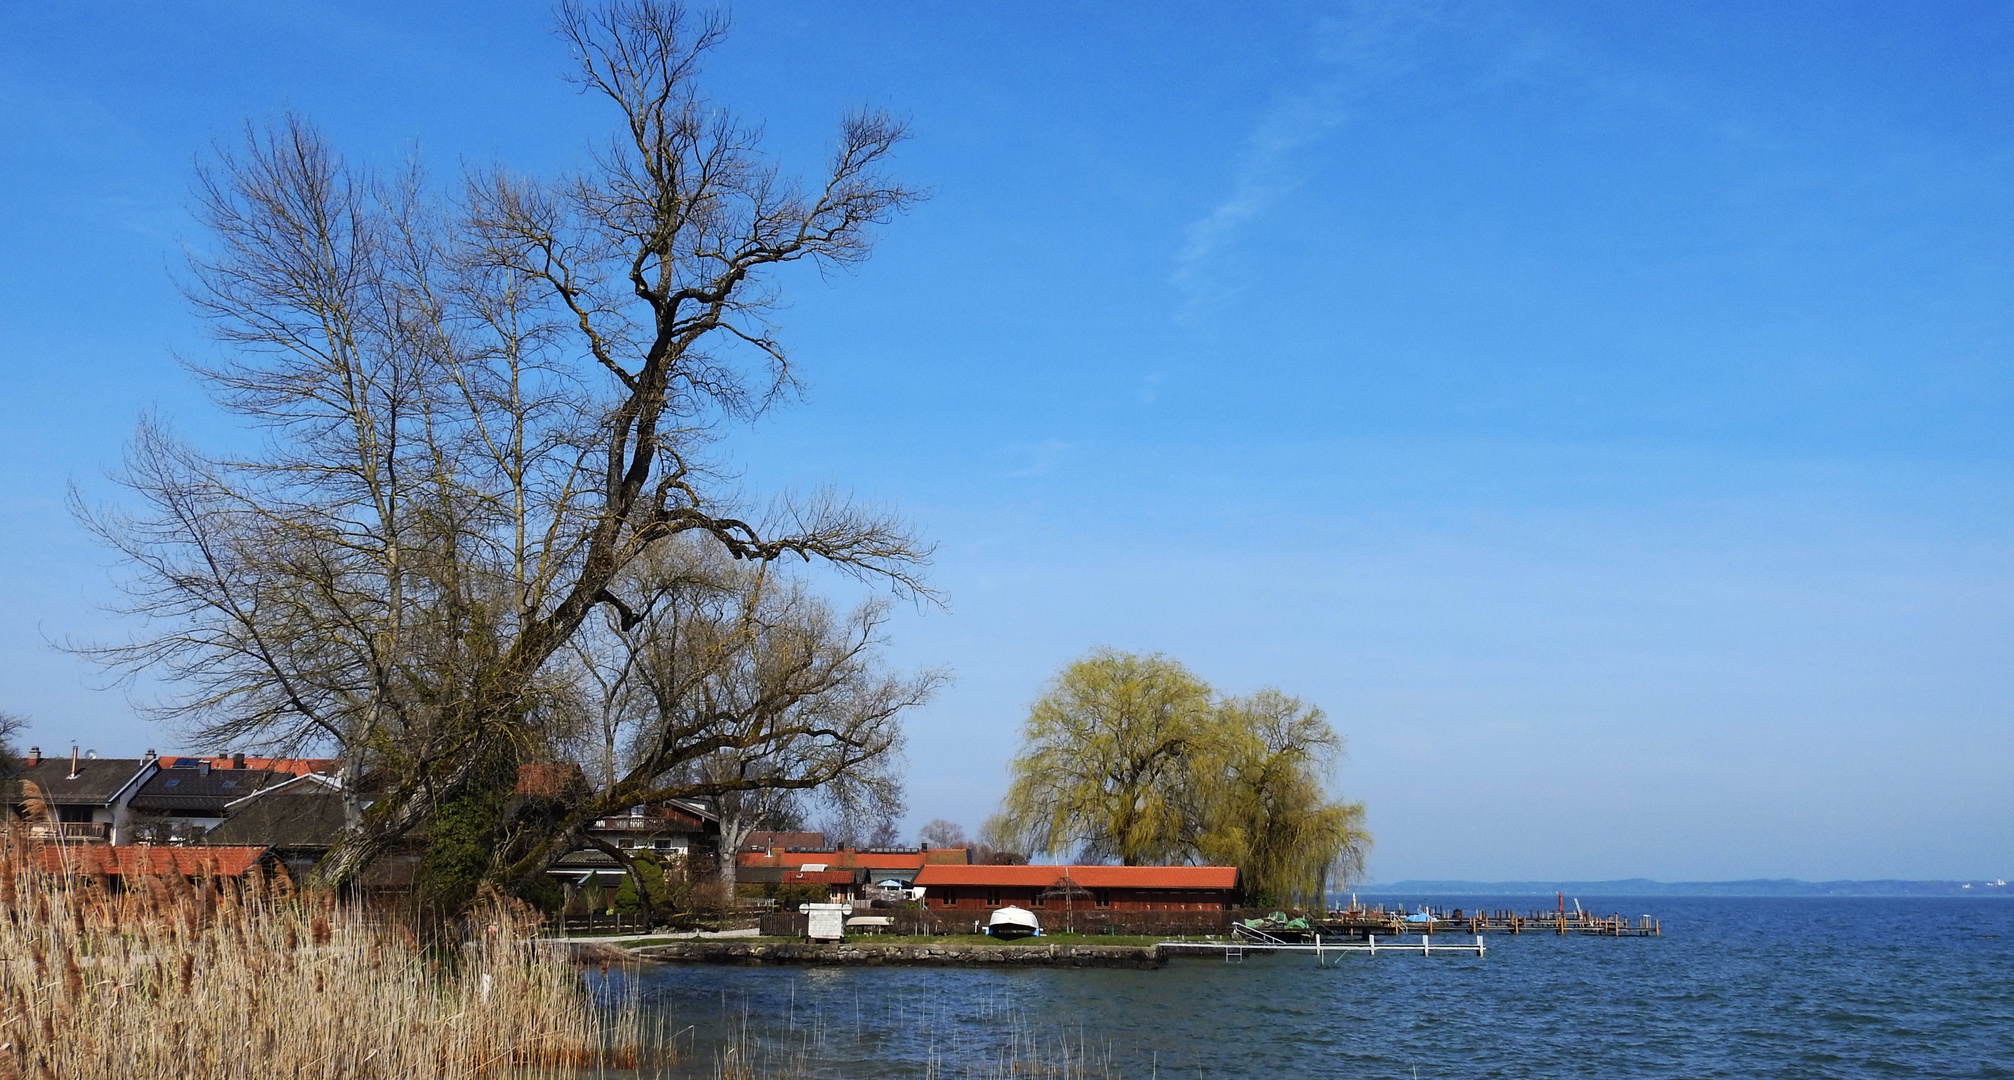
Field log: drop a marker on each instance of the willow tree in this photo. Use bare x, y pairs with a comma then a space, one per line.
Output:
1263, 806
1134, 758
474, 409
1106, 766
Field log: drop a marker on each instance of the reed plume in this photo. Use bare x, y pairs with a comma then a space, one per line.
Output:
156, 977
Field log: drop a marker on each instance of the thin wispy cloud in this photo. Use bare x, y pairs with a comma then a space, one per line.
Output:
1360, 48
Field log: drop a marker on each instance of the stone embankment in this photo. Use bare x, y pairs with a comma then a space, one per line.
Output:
867, 954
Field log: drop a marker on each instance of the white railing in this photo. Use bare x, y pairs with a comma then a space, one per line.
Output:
69, 830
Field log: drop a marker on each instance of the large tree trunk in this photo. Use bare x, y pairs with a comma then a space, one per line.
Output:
734, 830
366, 841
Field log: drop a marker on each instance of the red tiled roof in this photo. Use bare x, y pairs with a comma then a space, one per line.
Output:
139, 860
546, 781
821, 877
1089, 877
873, 860
299, 766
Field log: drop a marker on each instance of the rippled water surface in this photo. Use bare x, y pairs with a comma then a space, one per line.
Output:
1735, 988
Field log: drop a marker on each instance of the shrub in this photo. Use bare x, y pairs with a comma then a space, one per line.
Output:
709, 895
789, 896
545, 894
655, 888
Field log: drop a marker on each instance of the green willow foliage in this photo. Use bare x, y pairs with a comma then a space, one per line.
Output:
1136, 759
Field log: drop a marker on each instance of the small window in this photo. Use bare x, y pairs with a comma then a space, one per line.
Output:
993, 897
948, 899
1104, 897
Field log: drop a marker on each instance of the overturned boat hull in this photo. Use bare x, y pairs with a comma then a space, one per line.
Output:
1009, 923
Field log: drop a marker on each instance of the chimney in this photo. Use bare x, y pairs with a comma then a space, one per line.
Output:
34, 755
203, 767
150, 755
73, 763
238, 760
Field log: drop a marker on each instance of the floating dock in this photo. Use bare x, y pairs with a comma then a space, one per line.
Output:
1360, 923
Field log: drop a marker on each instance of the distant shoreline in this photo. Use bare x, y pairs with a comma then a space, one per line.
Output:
1758, 887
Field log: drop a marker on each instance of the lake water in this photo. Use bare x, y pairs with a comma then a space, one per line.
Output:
1843, 988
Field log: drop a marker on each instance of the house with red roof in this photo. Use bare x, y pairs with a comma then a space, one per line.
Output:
674, 830
863, 867
1118, 888
187, 797
293, 766
761, 840
844, 857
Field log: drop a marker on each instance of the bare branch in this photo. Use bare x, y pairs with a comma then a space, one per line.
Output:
481, 413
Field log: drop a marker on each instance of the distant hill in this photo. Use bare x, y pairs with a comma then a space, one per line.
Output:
1647, 887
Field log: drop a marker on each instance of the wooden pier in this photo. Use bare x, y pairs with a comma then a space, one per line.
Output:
1235, 951
1370, 931
1360, 922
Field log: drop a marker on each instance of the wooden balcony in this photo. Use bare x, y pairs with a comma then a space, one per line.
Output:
664, 825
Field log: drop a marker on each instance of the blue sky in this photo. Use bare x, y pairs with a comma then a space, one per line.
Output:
1602, 412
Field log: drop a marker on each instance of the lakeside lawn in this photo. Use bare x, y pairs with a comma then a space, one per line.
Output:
949, 939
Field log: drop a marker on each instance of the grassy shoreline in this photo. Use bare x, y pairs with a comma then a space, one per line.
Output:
931, 939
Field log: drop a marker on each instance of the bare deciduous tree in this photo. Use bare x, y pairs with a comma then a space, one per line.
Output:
733, 683
11, 727
477, 413
942, 833
744, 811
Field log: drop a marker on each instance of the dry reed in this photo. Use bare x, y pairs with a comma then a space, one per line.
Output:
167, 978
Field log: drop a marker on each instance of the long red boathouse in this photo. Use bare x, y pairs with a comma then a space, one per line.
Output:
1120, 888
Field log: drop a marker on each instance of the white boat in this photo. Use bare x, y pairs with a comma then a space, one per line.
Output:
1013, 922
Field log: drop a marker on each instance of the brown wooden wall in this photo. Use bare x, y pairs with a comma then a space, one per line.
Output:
909, 921
982, 898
